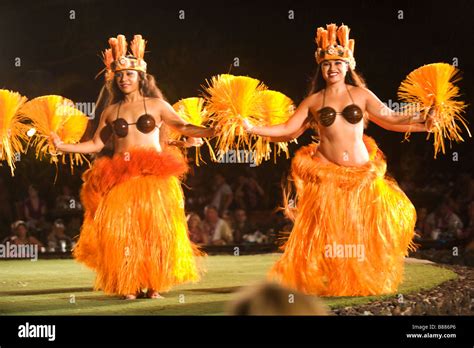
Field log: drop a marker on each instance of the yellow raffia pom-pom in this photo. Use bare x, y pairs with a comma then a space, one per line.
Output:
276, 108
433, 85
13, 127
53, 113
193, 111
230, 100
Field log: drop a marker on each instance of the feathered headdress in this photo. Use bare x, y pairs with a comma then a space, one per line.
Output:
116, 58
329, 48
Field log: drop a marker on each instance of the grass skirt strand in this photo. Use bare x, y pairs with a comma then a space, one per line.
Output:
353, 228
134, 233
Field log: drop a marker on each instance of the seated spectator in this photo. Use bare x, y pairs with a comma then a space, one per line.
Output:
196, 230
241, 226
217, 230
255, 192
58, 240
272, 299
20, 235
444, 224
248, 192
35, 210
222, 197
228, 217
241, 193
66, 200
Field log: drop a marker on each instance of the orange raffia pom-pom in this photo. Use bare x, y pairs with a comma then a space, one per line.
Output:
193, 111
13, 129
276, 108
433, 85
53, 113
230, 100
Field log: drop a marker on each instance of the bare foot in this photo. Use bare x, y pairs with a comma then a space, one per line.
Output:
130, 297
153, 294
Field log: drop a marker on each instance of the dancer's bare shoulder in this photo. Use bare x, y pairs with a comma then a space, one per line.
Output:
108, 113
359, 92
315, 102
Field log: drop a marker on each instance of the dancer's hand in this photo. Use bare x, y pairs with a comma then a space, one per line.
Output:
56, 141
247, 125
190, 142
430, 123
216, 130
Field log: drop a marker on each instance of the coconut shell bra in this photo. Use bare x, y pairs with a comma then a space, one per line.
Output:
326, 115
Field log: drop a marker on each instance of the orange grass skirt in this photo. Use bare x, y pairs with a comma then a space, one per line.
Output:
353, 228
135, 233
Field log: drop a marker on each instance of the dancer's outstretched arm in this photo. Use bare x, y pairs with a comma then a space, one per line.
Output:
96, 144
292, 136
381, 114
172, 119
403, 128
290, 129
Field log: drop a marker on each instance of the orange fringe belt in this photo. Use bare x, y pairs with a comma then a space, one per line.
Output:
134, 233
353, 228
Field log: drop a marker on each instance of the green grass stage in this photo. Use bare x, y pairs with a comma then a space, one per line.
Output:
47, 287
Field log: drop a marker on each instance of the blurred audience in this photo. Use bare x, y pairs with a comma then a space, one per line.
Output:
57, 238
444, 224
255, 237
223, 196
217, 229
20, 235
197, 233
241, 226
35, 210
66, 200
236, 215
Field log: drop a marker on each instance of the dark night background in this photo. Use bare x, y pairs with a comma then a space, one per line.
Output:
60, 55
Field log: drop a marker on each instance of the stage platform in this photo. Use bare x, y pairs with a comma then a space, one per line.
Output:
64, 287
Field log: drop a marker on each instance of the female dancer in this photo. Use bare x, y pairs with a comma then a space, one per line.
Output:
353, 224
134, 233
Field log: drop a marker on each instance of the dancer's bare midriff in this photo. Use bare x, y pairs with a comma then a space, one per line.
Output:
124, 145
350, 152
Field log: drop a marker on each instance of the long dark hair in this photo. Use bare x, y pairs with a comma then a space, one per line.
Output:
318, 83
146, 84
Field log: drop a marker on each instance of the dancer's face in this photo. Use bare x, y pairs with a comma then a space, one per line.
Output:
127, 80
333, 70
